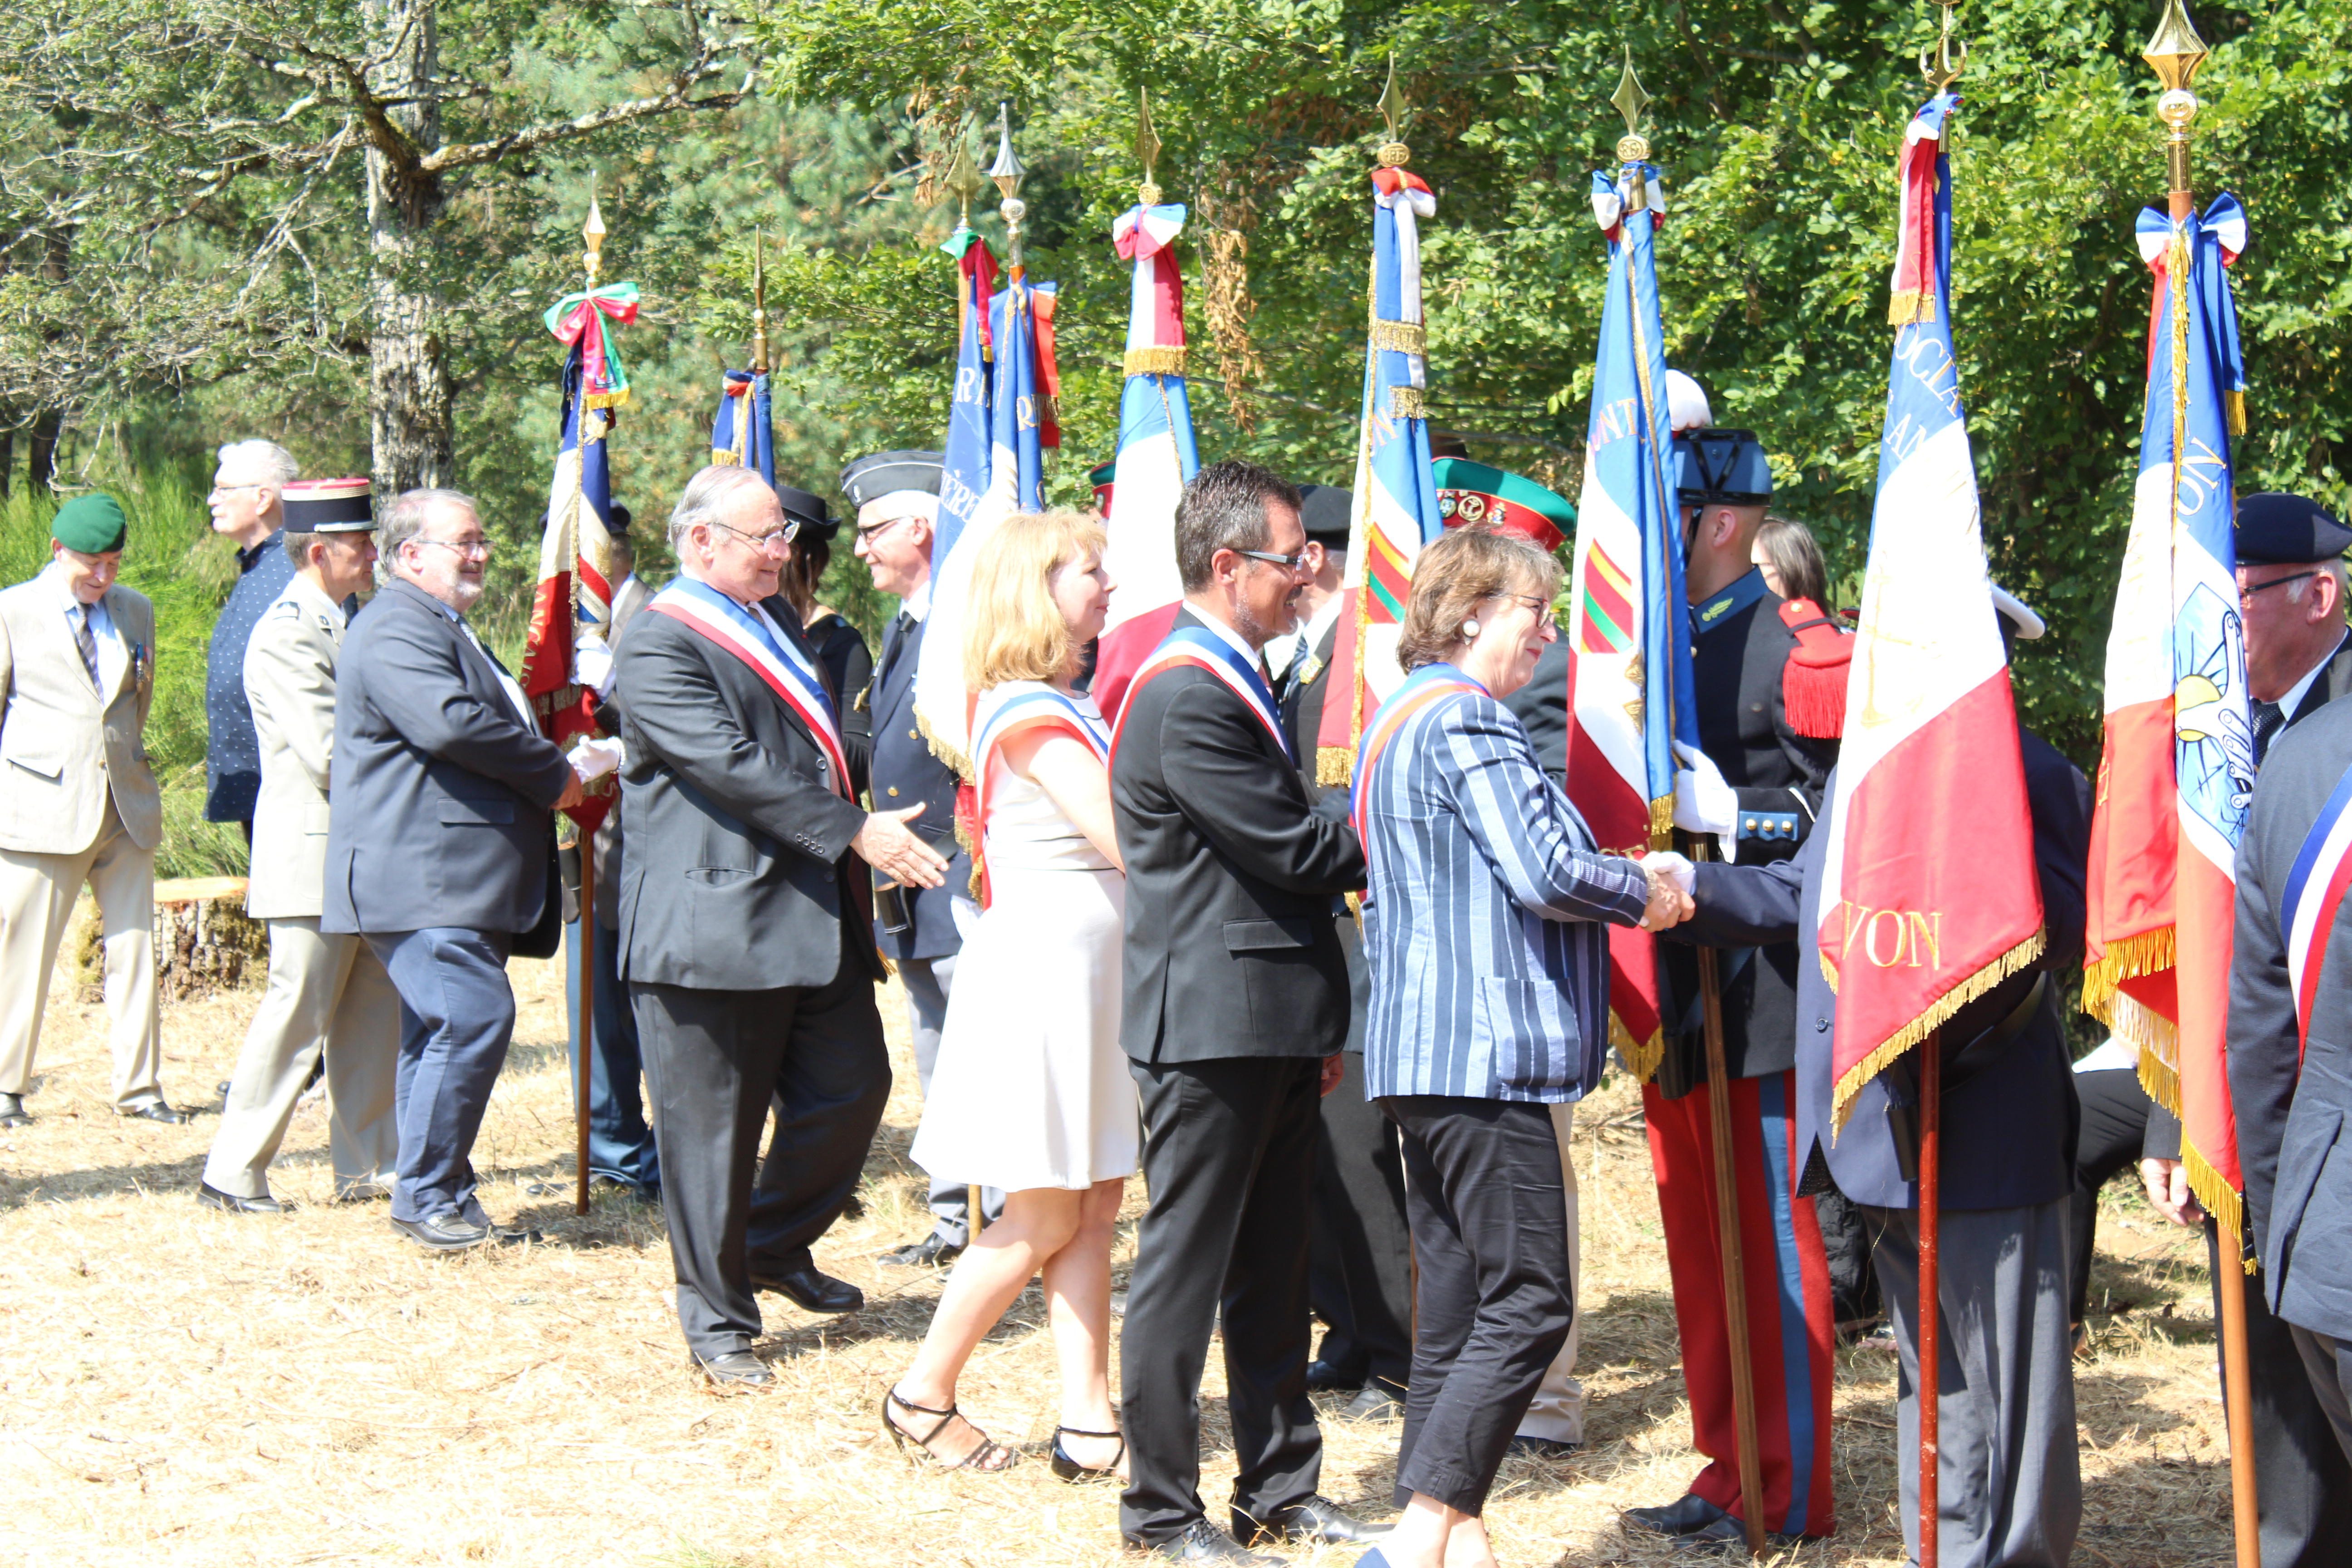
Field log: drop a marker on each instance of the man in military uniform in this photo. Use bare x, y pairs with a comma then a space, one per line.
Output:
326, 993
1752, 796
897, 495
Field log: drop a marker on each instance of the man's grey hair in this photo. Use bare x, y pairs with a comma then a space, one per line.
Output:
276, 463
410, 510
2333, 567
705, 499
1224, 508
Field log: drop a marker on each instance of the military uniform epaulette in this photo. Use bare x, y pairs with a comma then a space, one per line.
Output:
1812, 682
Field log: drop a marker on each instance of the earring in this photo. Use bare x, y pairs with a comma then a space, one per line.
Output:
1469, 630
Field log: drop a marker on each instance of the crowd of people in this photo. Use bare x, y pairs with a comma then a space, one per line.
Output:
1339, 1032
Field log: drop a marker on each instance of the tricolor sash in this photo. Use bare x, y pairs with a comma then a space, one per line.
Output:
1041, 707
2314, 891
775, 660
1204, 649
1424, 688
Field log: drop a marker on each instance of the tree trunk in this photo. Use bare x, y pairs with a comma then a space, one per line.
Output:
409, 415
41, 456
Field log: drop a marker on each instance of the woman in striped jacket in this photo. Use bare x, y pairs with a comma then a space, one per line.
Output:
1484, 924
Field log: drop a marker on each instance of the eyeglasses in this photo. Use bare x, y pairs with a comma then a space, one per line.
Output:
770, 542
2246, 595
224, 490
478, 548
867, 531
1543, 607
1287, 563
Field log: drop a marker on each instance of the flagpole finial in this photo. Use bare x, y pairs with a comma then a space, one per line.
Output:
1007, 172
1630, 100
592, 232
1393, 152
963, 181
1942, 63
1147, 147
759, 305
2174, 52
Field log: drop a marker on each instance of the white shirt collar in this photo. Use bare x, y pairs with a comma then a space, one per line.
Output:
917, 605
1231, 636
1324, 616
2295, 693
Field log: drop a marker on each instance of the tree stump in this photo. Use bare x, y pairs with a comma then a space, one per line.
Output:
204, 942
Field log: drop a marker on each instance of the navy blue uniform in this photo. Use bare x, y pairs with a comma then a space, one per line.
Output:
232, 749
906, 772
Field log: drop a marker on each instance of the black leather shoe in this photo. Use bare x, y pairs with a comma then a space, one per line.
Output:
442, 1232
1379, 1401
1329, 1377
1686, 1515
811, 1291
929, 1253
213, 1197
157, 1111
13, 1112
735, 1369
1317, 1521
1204, 1543
1727, 1537
1528, 1447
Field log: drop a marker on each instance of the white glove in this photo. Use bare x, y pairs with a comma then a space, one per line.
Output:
592, 665
1703, 802
593, 758
1677, 870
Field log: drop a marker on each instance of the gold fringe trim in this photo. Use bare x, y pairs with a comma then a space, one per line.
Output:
2128, 958
1154, 362
1909, 307
608, 400
2221, 1200
1408, 403
1335, 766
1642, 1056
1928, 1023
947, 754
2235, 402
1662, 823
1400, 337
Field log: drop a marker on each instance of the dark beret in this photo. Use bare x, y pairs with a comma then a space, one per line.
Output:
1325, 511
2276, 529
617, 519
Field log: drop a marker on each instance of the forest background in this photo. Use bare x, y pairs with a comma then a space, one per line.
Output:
338, 226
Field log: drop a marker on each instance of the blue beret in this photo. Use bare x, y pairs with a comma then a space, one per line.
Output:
2278, 529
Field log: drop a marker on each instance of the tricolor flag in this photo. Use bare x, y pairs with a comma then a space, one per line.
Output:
1155, 455
963, 476
741, 432
573, 602
1928, 894
2178, 766
1396, 498
1630, 646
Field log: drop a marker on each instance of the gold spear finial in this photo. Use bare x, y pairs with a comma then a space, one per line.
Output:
1393, 152
1632, 148
1943, 63
759, 303
1007, 172
1147, 147
592, 232
963, 181
2174, 52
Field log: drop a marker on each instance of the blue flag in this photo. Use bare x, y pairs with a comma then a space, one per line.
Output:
742, 431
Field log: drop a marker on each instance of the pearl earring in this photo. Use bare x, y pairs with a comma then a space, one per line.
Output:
1469, 630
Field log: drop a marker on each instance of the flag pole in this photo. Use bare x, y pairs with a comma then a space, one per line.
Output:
584, 1031
964, 182
1929, 1380
2174, 52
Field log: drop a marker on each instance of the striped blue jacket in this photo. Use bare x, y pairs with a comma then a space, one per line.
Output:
1483, 918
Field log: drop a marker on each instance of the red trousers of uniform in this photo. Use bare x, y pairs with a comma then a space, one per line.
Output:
1790, 1332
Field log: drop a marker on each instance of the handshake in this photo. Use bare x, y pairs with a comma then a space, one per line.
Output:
1672, 879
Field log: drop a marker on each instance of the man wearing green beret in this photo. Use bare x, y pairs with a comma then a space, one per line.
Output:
77, 799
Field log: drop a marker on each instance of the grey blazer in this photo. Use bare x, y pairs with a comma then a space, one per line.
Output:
440, 796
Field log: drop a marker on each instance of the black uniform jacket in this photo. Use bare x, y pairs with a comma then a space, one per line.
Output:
1231, 951
906, 772
738, 874
2292, 1113
2009, 1115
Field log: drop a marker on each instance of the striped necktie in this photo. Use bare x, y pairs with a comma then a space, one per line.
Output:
86, 642
2269, 718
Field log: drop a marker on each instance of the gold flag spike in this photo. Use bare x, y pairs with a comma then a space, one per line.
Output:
759, 303
592, 232
1147, 140
1392, 105
1629, 97
1942, 63
2175, 51
963, 181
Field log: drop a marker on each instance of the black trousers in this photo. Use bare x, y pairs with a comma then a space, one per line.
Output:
1229, 1160
2115, 1122
713, 1061
1360, 1273
1497, 1293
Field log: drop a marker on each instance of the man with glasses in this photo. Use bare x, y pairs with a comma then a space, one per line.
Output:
441, 847
249, 508
897, 495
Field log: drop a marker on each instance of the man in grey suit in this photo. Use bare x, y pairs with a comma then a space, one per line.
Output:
326, 993
440, 846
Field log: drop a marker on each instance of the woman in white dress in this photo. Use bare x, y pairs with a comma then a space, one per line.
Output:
1031, 1093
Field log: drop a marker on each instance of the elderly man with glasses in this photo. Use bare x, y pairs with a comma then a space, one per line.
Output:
441, 847
249, 508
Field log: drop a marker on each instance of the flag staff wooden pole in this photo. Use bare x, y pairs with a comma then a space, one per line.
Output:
2175, 51
1929, 1380
592, 234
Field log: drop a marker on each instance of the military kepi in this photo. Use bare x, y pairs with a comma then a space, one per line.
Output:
2278, 529
1722, 467
887, 486
1474, 495
329, 506
90, 525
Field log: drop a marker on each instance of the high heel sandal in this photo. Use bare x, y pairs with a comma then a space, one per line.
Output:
988, 1456
1069, 1469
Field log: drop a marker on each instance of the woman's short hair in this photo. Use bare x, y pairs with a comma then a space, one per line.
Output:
1457, 573
1015, 631
1797, 558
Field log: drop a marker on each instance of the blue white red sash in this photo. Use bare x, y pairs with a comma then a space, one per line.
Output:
2314, 892
775, 660
1204, 649
1425, 686
995, 723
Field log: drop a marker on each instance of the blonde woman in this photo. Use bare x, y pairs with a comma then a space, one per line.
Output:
1031, 1093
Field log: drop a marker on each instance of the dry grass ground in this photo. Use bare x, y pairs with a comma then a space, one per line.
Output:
183, 1387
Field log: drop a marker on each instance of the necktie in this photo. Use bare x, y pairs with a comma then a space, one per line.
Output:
87, 643
893, 644
2269, 719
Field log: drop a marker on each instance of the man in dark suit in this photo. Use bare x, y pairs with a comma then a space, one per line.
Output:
440, 846
897, 495
1235, 1014
2291, 1071
745, 929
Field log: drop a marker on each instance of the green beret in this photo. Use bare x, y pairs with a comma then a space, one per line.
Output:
92, 524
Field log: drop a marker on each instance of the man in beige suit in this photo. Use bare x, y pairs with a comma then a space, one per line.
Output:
326, 992
77, 799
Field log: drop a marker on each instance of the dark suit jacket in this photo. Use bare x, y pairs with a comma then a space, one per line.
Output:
2010, 1124
2333, 681
439, 796
1230, 880
906, 772
2291, 1114
738, 873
